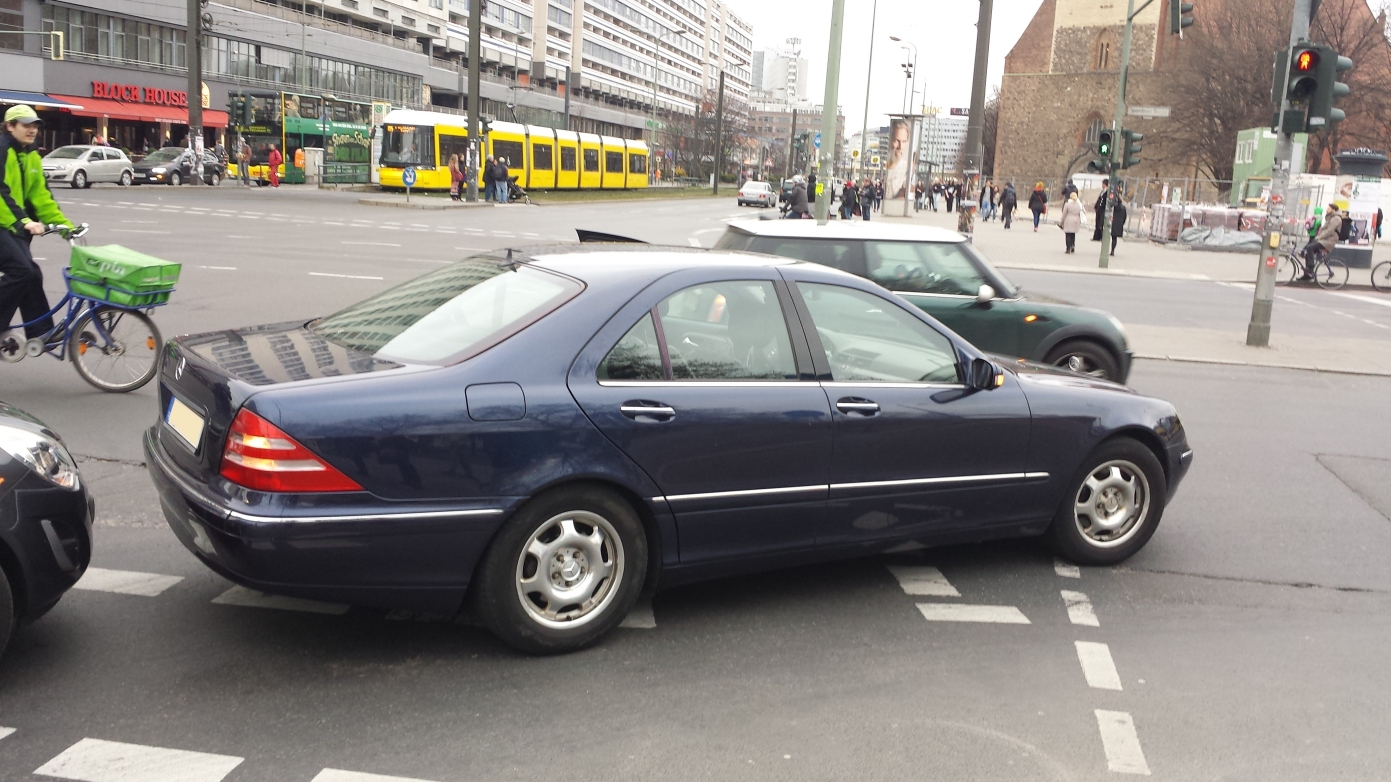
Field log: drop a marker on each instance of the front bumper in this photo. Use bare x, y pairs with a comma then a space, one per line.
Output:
1180, 458
380, 554
48, 531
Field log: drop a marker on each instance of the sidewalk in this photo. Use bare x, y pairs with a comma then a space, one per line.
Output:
1022, 248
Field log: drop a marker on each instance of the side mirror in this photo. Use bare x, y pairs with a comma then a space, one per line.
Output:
983, 375
985, 295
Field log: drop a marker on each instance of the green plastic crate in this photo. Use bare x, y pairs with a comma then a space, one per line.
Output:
99, 290
123, 267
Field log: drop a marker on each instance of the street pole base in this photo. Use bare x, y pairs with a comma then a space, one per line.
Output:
1258, 335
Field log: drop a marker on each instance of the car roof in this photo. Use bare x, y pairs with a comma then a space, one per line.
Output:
640, 260
846, 229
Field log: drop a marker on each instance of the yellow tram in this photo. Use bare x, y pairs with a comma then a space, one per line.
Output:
540, 158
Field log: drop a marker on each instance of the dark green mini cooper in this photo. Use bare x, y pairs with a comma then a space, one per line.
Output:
941, 272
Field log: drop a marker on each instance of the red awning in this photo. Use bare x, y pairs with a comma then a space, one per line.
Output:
140, 112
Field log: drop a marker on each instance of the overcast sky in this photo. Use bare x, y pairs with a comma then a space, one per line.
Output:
943, 30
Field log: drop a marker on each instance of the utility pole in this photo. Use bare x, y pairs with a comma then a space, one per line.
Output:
1258, 330
975, 123
719, 133
828, 109
475, 53
1115, 191
869, 78
193, 53
792, 139
567, 97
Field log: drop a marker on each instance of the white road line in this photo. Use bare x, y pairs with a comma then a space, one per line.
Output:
1364, 299
1097, 665
923, 580
134, 231
6, 732
338, 775
640, 617
240, 236
220, 268
1079, 609
344, 276
958, 612
330, 222
373, 244
125, 582
94, 760
693, 242
1066, 570
421, 260
1121, 742
250, 598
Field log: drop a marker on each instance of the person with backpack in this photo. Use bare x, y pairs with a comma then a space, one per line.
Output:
1038, 203
1009, 201
1335, 227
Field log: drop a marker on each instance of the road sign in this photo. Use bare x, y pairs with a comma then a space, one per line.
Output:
1148, 112
408, 176
874, 160
854, 154
817, 141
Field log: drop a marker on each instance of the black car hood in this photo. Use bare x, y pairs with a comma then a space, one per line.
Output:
1044, 373
13, 416
280, 353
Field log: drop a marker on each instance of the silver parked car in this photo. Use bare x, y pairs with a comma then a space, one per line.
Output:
757, 194
81, 165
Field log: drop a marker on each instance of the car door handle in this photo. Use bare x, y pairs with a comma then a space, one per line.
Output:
642, 410
853, 405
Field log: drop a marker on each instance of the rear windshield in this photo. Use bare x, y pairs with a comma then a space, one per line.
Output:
449, 314
66, 153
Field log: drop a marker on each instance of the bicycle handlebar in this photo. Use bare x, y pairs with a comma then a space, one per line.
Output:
76, 232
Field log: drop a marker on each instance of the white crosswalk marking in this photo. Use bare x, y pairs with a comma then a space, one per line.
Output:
1097, 665
125, 582
338, 775
958, 612
1079, 609
5, 732
640, 617
1066, 570
1121, 742
250, 598
94, 760
923, 580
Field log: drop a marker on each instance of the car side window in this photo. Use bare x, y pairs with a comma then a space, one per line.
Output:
869, 340
732, 330
636, 356
923, 267
838, 255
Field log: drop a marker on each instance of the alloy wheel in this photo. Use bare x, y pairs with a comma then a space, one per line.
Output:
1112, 503
570, 569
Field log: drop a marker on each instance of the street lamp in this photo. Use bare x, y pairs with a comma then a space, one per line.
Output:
911, 71
656, 69
869, 78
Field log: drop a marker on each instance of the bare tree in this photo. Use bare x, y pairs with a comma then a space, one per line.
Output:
1351, 29
990, 129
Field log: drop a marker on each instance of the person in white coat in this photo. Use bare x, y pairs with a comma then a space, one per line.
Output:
1071, 220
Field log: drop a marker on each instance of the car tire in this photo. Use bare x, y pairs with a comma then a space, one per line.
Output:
7, 616
126, 179
1085, 357
214, 179
79, 180
175, 179
559, 533
1112, 506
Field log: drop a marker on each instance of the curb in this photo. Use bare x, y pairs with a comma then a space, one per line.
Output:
427, 206
1190, 276
1299, 367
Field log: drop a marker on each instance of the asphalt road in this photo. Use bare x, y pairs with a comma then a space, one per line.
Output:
1246, 642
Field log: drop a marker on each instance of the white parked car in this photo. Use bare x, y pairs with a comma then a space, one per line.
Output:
80, 165
758, 194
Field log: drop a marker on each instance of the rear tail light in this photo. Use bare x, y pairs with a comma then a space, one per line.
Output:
259, 456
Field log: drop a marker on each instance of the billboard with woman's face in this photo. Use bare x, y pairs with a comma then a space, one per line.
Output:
900, 171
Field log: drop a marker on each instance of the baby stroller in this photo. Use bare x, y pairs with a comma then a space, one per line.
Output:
515, 193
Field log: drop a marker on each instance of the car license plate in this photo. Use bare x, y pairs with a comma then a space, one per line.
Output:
185, 422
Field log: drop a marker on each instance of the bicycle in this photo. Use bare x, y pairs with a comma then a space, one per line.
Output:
1381, 276
113, 346
1329, 273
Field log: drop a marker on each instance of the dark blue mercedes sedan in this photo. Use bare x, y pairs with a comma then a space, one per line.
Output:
548, 431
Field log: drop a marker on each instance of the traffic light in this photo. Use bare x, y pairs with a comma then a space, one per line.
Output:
1180, 16
1330, 67
234, 109
1102, 164
248, 111
1304, 74
1130, 155
486, 125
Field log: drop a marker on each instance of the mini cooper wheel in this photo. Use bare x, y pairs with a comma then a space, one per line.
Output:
1112, 506
563, 571
1086, 358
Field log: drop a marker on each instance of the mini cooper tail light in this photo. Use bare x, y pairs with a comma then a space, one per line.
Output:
261, 457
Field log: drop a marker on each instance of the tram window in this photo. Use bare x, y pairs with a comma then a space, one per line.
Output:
567, 158
613, 162
453, 145
591, 160
408, 145
637, 164
511, 151
541, 157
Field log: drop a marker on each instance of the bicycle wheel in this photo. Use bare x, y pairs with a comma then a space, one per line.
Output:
1381, 276
1286, 269
115, 350
1331, 275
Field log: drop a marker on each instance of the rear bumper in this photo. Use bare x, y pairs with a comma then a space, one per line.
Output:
48, 532
368, 553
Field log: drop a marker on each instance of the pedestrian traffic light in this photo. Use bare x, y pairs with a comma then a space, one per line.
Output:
1130, 155
248, 111
486, 125
1328, 89
234, 109
1180, 16
1104, 142
1303, 74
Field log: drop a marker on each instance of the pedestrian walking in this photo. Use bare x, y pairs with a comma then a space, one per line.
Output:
1100, 209
1038, 203
489, 178
502, 180
1118, 216
811, 187
918, 196
1071, 221
866, 199
1378, 223
456, 177
244, 162
987, 200
949, 192
849, 201
1068, 189
1009, 201
273, 161
25, 206
878, 194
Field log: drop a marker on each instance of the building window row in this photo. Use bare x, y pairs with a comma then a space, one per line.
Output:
507, 17
617, 60
560, 17
652, 27
92, 34
281, 67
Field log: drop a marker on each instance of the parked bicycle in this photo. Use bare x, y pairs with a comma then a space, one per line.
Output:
1329, 273
1381, 276
105, 329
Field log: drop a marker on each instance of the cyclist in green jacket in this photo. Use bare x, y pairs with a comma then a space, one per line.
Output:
25, 206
